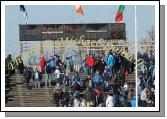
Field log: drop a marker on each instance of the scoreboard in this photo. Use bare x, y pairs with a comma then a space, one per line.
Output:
38, 32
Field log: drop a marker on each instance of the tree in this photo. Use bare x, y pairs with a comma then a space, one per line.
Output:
151, 34
148, 44
151, 38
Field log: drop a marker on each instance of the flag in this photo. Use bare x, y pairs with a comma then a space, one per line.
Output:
79, 10
119, 15
22, 8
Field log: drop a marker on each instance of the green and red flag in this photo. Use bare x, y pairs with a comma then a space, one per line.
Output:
119, 15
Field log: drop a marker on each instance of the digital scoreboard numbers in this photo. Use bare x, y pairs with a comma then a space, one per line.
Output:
116, 31
110, 31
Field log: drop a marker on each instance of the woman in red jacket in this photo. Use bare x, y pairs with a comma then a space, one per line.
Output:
90, 62
42, 64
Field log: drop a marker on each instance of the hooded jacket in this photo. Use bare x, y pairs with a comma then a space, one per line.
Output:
90, 62
42, 63
110, 60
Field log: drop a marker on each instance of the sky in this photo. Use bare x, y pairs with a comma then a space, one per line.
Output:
63, 14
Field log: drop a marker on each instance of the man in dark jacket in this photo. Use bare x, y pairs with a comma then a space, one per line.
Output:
27, 76
117, 62
48, 73
21, 68
7, 61
100, 66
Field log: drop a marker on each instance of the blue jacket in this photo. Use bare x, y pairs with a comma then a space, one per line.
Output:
151, 68
106, 59
110, 60
52, 64
133, 102
106, 76
97, 79
149, 82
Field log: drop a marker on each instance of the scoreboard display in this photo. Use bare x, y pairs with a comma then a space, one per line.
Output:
39, 32
116, 31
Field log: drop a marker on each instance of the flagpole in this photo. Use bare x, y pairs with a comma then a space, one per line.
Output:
73, 15
136, 54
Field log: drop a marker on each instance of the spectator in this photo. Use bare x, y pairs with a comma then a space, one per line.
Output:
110, 63
131, 95
71, 64
97, 79
99, 97
68, 65
117, 59
57, 75
132, 65
70, 101
89, 96
133, 102
67, 84
20, 68
126, 88
52, 64
42, 64
76, 102
105, 77
144, 97
117, 98
27, 76
67, 81
48, 73
56, 94
151, 97
83, 103
87, 81
7, 61
109, 101
37, 78
90, 63
100, 66
59, 62
149, 82
76, 99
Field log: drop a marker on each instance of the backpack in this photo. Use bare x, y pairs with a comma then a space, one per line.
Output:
76, 86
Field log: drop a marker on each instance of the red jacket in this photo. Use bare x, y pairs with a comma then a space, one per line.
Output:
90, 61
42, 63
